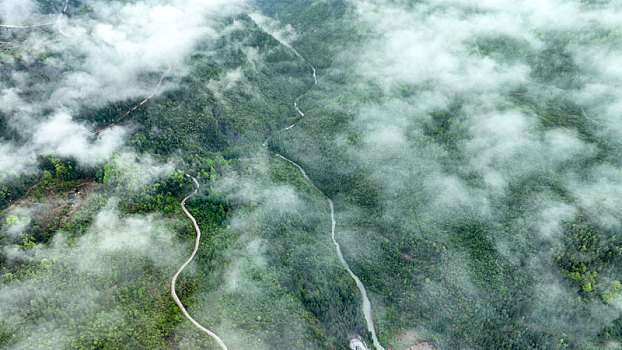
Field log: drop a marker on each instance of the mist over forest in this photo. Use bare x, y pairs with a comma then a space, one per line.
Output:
400, 174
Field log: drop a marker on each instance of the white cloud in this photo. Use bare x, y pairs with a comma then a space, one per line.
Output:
60, 135
116, 52
283, 33
16, 11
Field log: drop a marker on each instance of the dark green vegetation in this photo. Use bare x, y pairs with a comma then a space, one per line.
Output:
266, 275
289, 277
447, 275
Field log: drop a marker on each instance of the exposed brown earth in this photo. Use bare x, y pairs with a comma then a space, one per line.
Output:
53, 207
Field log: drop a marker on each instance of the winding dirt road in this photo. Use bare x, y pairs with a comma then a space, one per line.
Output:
181, 269
367, 310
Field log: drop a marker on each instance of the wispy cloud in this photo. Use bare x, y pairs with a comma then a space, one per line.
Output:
91, 271
117, 51
452, 132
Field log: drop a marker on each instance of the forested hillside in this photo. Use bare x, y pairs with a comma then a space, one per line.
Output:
470, 149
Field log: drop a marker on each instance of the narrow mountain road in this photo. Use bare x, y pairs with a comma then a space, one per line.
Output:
300, 112
181, 269
367, 310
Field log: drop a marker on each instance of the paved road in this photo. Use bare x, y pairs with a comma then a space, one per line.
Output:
194, 252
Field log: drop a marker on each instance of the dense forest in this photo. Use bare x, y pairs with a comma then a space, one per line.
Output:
471, 151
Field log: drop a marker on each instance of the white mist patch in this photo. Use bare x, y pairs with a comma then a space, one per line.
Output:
11, 103
416, 47
60, 135
249, 259
602, 93
601, 195
283, 33
231, 78
227, 81
135, 172
143, 235
147, 236
386, 134
17, 221
92, 267
504, 146
452, 195
165, 14
114, 53
126, 43
16, 11
14, 159
552, 215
